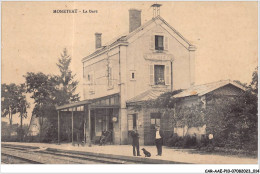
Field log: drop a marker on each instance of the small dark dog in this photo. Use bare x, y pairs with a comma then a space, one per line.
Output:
146, 153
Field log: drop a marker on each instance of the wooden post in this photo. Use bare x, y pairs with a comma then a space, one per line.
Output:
106, 122
85, 114
72, 126
58, 127
89, 128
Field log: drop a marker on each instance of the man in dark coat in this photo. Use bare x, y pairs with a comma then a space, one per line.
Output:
159, 140
135, 143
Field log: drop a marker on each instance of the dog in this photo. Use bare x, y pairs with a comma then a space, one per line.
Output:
146, 153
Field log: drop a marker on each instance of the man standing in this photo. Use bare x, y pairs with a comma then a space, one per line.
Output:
158, 140
135, 143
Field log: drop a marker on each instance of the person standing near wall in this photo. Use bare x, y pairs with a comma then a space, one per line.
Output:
158, 140
135, 137
211, 143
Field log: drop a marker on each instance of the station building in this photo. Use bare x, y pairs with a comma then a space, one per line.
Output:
149, 60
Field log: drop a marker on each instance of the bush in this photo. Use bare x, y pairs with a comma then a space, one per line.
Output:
171, 141
184, 142
32, 138
189, 141
13, 138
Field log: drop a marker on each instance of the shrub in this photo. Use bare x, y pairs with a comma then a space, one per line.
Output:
171, 141
189, 141
184, 142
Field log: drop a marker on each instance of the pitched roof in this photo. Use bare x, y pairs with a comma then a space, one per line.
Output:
125, 37
200, 90
150, 94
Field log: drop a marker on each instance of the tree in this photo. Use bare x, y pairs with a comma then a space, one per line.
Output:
13, 100
254, 83
43, 89
67, 84
48, 91
22, 106
233, 120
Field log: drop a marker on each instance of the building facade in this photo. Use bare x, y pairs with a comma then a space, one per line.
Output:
152, 58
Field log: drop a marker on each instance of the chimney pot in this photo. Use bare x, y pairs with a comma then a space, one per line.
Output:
98, 40
134, 19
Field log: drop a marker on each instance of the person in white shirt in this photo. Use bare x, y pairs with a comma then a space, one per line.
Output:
158, 140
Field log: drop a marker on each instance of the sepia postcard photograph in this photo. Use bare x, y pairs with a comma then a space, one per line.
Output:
116, 83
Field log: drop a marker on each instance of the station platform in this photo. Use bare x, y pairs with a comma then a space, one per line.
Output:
181, 156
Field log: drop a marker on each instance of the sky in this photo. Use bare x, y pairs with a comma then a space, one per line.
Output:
33, 37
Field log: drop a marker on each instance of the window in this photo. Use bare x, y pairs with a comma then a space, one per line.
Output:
132, 75
159, 42
155, 119
159, 75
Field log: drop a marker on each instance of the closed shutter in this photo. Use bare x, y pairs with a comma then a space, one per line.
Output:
151, 69
92, 81
167, 75
166, 43
152, 42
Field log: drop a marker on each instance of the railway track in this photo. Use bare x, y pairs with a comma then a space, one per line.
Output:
32, 155
12, 159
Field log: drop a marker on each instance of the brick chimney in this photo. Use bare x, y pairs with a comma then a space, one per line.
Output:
98, 40
134, 19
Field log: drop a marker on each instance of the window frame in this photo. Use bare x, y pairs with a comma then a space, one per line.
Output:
156, 40
167, 73
164, 72
130, 75
166, 42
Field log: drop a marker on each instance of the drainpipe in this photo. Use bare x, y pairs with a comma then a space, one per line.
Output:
119, 122
171, 77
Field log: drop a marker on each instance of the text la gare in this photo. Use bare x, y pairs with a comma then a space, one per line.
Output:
90, 11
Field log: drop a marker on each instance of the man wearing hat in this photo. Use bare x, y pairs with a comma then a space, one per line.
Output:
158, 140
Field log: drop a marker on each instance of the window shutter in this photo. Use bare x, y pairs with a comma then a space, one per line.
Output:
167, 75
166, 43
111, 77
151, 69
152, 42
92, 81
